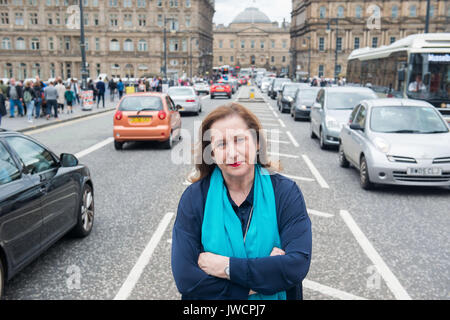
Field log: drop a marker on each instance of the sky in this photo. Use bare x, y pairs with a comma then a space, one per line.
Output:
276, 10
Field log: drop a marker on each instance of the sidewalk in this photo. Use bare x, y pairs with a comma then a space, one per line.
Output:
21, 124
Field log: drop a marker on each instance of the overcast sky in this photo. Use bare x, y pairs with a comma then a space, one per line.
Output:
276, 10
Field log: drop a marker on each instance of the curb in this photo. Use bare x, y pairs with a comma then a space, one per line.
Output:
62, 121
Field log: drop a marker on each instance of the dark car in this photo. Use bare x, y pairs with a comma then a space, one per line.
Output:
288, 94
42, 198
276, 85
301, 106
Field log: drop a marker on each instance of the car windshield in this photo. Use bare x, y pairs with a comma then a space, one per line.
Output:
406, 120
347, 100
279, 82
180, 92
308, 94
139, 103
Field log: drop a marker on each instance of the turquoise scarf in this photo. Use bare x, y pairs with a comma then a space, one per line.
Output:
222, 230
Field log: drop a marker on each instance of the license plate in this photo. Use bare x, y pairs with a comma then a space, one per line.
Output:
219, 89
140, 120
424, 171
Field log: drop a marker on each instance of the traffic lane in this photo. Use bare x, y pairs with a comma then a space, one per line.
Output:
411, 249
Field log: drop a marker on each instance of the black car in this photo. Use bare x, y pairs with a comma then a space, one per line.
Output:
301, 106
276, 85
42, 198
288, 94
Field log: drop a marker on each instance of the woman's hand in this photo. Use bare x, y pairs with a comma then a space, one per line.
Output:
213, 264
277, 252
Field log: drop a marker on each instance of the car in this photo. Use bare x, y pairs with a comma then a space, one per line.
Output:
266, 83
301, 106
42, 198
234, 85
275, 87
220, 89
201, 87
396, 141
288, 94
331, 110
147, 116
186, 98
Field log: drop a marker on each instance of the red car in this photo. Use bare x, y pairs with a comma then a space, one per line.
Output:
220, 89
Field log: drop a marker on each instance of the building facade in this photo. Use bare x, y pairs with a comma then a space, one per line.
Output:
252, 40
359, 24
124, 38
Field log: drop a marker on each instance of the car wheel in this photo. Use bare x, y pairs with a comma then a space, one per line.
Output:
85, 214
118, 145
212, 97
229, 97
2, 279
322, 144
343, 162
168, 144
364, 175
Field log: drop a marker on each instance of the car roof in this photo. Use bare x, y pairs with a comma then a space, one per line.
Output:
347, 89
146, 94
395, 102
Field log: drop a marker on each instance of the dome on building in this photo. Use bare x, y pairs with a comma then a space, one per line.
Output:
251, 15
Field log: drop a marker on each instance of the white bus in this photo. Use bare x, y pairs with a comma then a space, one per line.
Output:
415, 67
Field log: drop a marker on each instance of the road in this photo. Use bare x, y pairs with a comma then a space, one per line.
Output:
389, 243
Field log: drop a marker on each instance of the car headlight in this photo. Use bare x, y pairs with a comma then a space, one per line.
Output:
303, 107
332, 123
289, 99
381, 145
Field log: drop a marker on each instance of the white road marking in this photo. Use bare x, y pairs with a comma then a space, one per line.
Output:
390, 279
335, 293
270, 124
144, 259
294, 142
95, 147
205, 97
275, 114
282, 123
320, 214
296, 177
278, 141
315, 172
283, 155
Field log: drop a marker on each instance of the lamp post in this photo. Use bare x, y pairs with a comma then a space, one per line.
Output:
309, 57
83, 49
334, 20
427, 18
165, 47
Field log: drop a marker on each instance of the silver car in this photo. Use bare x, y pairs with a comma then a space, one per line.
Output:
186, 98
331, 111
201, 87
397, 141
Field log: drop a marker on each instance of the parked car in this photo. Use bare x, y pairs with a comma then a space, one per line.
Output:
275, 87
397, 141
201, 87
220, 89
186, 98
301, 106
266, 83
331, 110
288, 94
42, 198
148, 116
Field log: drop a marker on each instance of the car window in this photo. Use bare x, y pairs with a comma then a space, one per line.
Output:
181, 92
170, 104
8, 169
361, 117
347, 100
354, 113
140, 102
35, 158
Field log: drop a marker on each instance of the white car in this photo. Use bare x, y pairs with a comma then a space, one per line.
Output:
186, 98
201, 87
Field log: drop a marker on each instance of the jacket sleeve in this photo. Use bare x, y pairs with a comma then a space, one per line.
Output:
191, 281
269, 275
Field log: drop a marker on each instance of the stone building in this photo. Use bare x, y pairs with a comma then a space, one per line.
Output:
252, 40
359, 24
124, 38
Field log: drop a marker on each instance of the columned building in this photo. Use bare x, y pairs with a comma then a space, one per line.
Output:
355, 24
124, 38
252, 40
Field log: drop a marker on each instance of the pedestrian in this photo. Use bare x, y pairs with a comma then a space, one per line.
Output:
93, 89
242, 230
120, 88
29, 98
51, 96
100, 85
112, 88
159, 84
3, 111
61, 94
76, 90
68, 95
15, 95
3, 88
141, 86
38, 97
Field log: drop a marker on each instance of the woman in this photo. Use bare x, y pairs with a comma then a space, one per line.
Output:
2, 106
242, 231
29, 98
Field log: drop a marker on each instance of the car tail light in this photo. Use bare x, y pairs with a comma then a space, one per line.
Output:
118, 115
162, 115
190, 100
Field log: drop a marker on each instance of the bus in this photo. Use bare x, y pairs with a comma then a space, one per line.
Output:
415, 67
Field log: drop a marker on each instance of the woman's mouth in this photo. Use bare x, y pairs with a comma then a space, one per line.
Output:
236, 164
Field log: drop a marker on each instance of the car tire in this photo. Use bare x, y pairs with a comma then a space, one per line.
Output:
322, 143
343, 162
364, 178
229, 97
2, 279
118, 145
312, 134
86, 214
212, 97
168, 144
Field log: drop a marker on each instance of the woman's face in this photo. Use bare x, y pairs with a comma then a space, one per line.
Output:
233, 146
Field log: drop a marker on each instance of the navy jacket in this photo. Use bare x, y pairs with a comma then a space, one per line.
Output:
100, 87
265, 275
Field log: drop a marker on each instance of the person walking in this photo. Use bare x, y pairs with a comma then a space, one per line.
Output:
242, 231
51, 97
68, 95
38, 97
61, 94
101, 91
120, 88
29, 98
3, 111
76, 90
92, 88
112, 88
15, 95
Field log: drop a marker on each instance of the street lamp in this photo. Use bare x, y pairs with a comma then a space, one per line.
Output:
427, 19
334, 20
190, 56
309, 57
165, 46
83, 50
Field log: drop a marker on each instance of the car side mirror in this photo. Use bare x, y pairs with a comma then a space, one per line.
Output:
317, 105
68, 160
356, 126
179, 107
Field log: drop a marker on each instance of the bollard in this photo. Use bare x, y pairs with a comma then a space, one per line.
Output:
252, 93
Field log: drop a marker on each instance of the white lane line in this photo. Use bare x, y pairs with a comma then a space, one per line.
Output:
205, 97
335, 293
144, 259
283, 155
94, 147
282, 123
315, 172
266, 124
294, 142
390, 279
275, 114
320, 214
278, 141
297, 177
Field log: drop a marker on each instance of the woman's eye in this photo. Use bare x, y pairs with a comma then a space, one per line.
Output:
240, 140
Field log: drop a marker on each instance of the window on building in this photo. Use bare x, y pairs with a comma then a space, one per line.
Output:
322, 12
338, 69
358, 12
36, 70
174, 24
392, 40
19, 18
321, 44
231, 59
113, 3
8, 71
33, 18
220, 44
394, 12
173, 45
86, 19
283, 59
272, 43
340, 12
114, 45
113, 21
142, 20
4, 18
49, 19
374, 42
339, 44
272, 59
356, 43
252, 44
127, 3
95, 3
128, 45
232, 44
96, 19
284, 44
188, 3
67, 42
220, 59
413, 11
160, 20
321, 70
141, 3
51, 44
127, 20
52, 70
142, 45
20, 44
159, 3
431, 11
187, 20
242, 44
97, 44
173, 3
6, 43
262, 44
